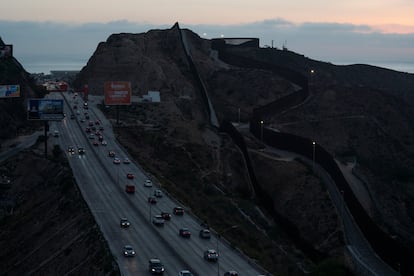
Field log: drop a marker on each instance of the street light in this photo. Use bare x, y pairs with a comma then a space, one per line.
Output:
261, 130
217, 240
313, 155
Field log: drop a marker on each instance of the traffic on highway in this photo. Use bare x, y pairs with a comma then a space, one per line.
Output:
148, 231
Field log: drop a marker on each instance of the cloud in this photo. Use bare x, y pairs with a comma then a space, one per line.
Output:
332, 42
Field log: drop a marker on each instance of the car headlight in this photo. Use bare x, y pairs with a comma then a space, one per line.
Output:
162, 269
133, 252
152, 269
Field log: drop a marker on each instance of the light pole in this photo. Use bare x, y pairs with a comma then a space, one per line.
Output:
343, 204
261, 130
117, 176
217, 245
239, 115
313, 155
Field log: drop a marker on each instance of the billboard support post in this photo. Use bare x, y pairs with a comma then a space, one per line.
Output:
46, 127
117, 114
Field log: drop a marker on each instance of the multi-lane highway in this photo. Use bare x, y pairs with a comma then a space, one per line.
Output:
102, 184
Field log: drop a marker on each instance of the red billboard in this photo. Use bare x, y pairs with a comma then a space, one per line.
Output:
117, 93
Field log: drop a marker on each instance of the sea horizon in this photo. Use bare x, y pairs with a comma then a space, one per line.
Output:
47, 67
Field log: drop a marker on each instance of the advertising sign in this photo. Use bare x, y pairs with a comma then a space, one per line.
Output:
7, 91
45, 109
117, 93
6, 51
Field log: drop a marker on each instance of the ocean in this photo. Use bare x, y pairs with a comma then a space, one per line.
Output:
407, 67
46, 67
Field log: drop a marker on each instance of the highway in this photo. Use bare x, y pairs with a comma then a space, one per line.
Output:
102, 184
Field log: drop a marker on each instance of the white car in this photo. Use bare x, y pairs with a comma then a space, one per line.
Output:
148, 183
117, 160
158, 220
56, 133
185, 273
211, 255
157, 193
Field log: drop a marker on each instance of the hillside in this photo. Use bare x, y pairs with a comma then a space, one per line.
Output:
46, 227
357, 112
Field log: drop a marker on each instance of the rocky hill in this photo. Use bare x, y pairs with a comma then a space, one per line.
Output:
361, 114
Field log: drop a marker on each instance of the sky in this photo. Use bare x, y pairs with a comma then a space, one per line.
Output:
66, 33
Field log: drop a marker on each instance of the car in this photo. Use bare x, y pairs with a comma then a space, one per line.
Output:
157, 193
211, 255
130, 188
126, 161
116, 160
166, 216
88, 129
185, 273
91, 136
97, 122
77, 112
111, 153
75, 107
72, 116
231, 273
179, 211
82, 120
104, 143
56, 133
184, 232
152, 200
101, 128
158, 220
148, 183
124, 222
71, 149
130, 175
129, 251
87, 117
90, 123
100, 138
204, 234
95, 143
155, 266
81, 150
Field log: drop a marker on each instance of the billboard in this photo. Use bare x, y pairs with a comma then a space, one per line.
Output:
117, 93
45, 109
6, 51
9, 91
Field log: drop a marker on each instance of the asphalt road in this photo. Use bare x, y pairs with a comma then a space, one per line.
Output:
102, 184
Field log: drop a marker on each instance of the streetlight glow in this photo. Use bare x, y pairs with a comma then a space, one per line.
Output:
313, 155
261, 130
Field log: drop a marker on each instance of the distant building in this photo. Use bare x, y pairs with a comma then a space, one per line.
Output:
63, 74
239, 42
152, 96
